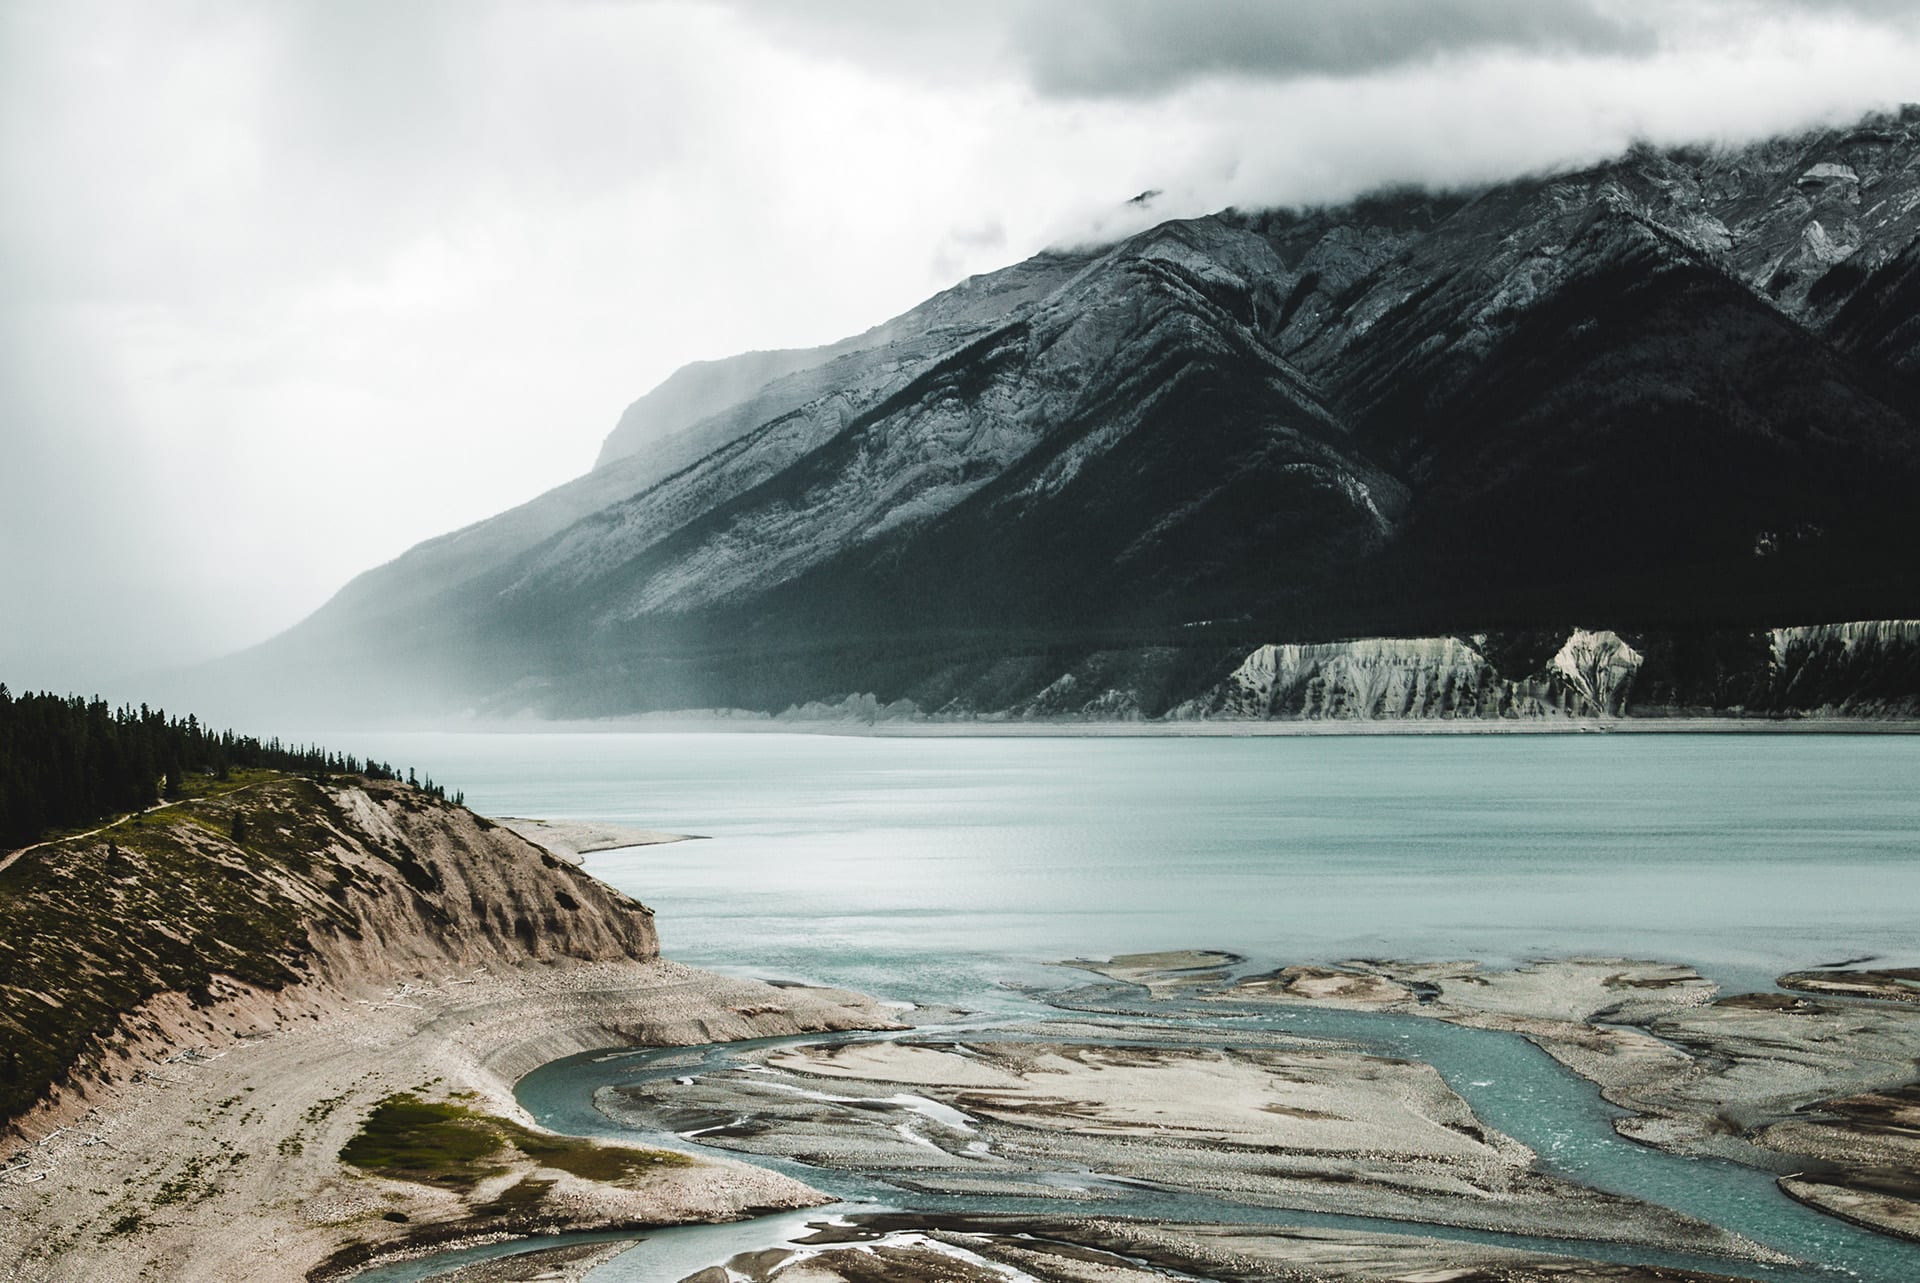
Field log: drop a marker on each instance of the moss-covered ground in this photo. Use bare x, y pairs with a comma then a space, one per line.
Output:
447, 1144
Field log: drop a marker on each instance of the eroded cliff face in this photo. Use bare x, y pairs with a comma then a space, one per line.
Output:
263, 894
1867, 668
1591, 675
474, 892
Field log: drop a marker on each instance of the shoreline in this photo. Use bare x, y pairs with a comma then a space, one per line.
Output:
220, 1158
574, 840
996, 1247
237, 1135
1769, 1081
1276, 1123
289, 1210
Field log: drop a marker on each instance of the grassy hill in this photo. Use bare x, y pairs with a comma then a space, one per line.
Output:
256, 883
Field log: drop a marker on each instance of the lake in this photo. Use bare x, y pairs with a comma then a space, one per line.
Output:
916, 867
955, 870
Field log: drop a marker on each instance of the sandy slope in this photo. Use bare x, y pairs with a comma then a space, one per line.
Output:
572, 839
222, 1165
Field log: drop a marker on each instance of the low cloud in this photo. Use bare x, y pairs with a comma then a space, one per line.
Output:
963, 246
1144, 48
1130, 48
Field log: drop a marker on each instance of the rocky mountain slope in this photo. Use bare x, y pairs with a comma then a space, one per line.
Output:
1676, 395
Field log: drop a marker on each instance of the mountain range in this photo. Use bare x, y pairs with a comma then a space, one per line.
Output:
1674, 398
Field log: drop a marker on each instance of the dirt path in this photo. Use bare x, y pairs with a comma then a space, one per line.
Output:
6, 861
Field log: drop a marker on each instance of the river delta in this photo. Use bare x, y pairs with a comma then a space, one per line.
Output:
1278, 1106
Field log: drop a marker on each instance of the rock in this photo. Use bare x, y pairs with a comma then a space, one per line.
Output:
1591, 675
1599, 667
1894, 985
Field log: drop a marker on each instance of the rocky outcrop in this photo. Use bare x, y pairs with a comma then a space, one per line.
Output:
1372, 678
1863, 670
1867, 668
1381, 678
1599, 668
862, 710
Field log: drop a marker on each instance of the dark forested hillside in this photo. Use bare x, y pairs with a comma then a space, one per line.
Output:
66, 760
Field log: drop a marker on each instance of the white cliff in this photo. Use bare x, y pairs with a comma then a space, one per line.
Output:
1412, 678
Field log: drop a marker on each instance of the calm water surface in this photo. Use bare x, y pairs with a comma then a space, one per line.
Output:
913, 865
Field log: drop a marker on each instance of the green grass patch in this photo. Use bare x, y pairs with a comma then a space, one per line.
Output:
427, 1142
447, 1144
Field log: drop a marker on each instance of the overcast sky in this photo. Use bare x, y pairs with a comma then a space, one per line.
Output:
285, 288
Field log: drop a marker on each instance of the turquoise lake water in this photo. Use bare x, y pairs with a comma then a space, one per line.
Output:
952, 871
925, 862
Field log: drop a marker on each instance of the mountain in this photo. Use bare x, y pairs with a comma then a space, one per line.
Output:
1675, 396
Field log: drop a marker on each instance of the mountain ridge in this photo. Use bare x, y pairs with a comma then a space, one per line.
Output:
1674, 392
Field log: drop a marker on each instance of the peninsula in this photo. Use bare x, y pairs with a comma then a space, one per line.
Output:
271, 1031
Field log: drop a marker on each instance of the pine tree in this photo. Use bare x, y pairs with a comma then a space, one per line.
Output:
65, 761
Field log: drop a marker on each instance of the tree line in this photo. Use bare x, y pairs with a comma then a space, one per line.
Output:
66, 760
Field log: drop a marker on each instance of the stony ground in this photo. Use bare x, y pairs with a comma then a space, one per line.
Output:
222, 1163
